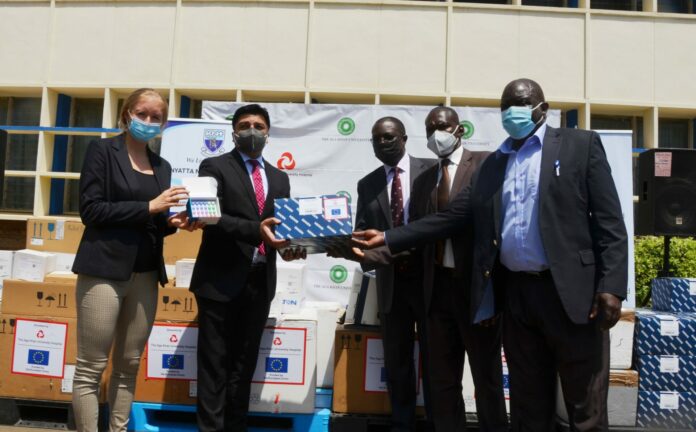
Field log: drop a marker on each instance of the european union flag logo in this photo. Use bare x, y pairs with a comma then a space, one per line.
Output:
277, 364
173, 361
383, 374
38, 357
336, 212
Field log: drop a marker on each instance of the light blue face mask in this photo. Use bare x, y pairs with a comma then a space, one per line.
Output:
517, 121
143, 131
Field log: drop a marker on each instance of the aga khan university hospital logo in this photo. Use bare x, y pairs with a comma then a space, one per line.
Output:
346, 126
338, 274
468, 129
214, 139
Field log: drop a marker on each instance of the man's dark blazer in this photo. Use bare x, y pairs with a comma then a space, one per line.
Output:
580, 221
424, 202
226, 252
114, 221
374, 212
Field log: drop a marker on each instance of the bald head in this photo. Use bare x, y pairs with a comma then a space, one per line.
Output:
521, 92
442, 118
398, 124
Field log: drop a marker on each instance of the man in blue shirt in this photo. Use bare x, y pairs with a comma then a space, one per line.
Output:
550, 252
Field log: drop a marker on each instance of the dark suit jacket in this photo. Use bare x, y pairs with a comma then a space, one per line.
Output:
374, 212
580, 220
424, 202
224, 259
113, 221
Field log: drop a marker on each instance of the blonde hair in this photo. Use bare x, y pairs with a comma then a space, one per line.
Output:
133, 99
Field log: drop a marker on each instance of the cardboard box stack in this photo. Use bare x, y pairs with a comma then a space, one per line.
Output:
665, 353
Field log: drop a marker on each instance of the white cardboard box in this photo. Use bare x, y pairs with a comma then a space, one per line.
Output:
32, 265
64, 261
285, 377
289, 277
621, 341
363, 309
184, 270
6, 258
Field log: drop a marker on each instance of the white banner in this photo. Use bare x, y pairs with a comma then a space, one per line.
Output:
39, 348
325, 149
171, 352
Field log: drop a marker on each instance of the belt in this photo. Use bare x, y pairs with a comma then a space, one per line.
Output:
534, 274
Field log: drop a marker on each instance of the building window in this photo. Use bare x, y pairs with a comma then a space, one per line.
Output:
551, 3
625, 5
676, 6
673, 133
634, 124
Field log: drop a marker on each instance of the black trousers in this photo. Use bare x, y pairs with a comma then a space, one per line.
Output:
451, 337
229, 334
398, 336
541, 342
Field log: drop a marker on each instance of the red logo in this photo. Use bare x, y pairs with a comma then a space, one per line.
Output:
173, 339
40, 334
286, 161
277, 341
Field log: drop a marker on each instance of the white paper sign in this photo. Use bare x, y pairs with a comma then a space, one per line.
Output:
39, 348
335, 208
668, 326
376, 372
67, 382
309, 206
669, 364
171, 352
281, 357
663, 164
669, 400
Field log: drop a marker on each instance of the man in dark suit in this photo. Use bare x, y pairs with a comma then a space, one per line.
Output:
446, 280
234, 277
383, 203
550, 251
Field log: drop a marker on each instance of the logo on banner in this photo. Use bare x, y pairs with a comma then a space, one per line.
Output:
173, 339
38, 357
173, 361
40, 334
468, 129
277, 364
338, 274
213, 139
346, 126
286, 161
343, 193
277, 341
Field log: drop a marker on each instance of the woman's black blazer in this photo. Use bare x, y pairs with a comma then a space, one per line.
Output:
114, 221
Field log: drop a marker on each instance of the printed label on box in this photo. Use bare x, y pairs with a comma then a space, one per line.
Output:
39, 348
375, 372
60, 229
193, 389
282, 356
669, 364
67, 382
336, 208
171, 352
37, 242
669, 400
309, 206
663, 164
669, 326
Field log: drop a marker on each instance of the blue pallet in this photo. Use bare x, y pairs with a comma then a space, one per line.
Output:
156, 417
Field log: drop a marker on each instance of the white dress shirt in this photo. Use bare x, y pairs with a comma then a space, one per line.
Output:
404, 167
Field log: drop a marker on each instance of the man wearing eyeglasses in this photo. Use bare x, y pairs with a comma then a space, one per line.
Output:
383, 203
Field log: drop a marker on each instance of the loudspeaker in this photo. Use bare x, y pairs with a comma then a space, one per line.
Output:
667, 192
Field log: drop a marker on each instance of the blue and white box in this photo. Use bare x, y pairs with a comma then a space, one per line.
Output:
674, 294
314, 222
666, 410
664, 333
667, 373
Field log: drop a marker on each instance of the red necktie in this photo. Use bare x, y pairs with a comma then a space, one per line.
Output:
260, 195
397, 200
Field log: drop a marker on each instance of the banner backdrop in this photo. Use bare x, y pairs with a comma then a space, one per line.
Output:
324, 149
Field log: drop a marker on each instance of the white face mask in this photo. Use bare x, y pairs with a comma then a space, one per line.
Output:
443, 143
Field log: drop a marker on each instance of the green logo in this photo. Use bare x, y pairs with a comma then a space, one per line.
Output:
338, 274
346, 126
468, 129
343, 193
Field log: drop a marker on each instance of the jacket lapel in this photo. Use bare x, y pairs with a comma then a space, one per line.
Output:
272, 191
382, 197
239, 167
160, 173
461, 174
549, 155
124, 163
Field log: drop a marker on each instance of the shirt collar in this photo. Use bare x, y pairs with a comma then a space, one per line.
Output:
506, 146
456, 156
403, 165
246, 159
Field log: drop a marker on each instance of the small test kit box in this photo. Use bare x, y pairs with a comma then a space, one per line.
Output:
314, 222
203, 204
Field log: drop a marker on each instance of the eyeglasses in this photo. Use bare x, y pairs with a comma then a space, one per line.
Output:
387, 138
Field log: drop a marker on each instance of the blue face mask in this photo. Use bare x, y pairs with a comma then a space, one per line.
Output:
517, 121
142, 131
